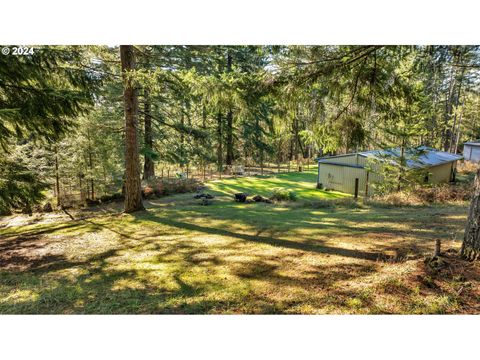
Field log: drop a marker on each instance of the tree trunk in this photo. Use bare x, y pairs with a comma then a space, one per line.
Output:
57, 177
229, 157
402, 165
471, 240
182, 139
90, 164
148, 166
459, 129
219, 143
133, 195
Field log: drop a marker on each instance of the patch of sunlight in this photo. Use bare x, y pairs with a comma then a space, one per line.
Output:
71, 274
18, 296
213, 240
152, 265
456, 217
302, 183
318, 212
79, 303
131, 284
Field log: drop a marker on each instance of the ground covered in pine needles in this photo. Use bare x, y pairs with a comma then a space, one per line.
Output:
237, 258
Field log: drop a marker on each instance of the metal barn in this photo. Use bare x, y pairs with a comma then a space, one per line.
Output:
348, 173
471, 151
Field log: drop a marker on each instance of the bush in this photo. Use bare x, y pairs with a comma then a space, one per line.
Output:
147, 192
465, 167
421, 195
280, 194
162, 187
114, 197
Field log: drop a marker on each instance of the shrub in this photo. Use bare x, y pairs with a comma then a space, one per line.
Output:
279, 194
421, 195
465, 167
113, 197
162, 187
147, 192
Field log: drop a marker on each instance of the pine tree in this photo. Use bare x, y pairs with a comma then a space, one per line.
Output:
133, 195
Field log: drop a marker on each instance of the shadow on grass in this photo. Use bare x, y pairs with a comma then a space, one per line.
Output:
311, 246
186, 276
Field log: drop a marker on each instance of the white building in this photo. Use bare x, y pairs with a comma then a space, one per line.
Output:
471, 151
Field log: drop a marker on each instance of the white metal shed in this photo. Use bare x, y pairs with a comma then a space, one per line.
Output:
471, 151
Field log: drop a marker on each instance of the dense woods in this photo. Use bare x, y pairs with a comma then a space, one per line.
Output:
95, 120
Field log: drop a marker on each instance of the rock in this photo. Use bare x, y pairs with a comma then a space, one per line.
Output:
241, 197
47, 207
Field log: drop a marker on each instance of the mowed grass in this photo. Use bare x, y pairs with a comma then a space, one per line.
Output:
303, 184
228, 257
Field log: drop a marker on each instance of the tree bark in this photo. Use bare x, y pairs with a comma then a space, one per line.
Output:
90, 164
448, 112
229, 157
471, 240
402, 165
133, 195
219, 143
57, 178
148, 166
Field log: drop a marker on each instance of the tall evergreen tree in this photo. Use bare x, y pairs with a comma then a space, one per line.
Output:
133, 195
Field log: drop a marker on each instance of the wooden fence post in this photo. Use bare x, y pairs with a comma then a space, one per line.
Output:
366, 185
356, 188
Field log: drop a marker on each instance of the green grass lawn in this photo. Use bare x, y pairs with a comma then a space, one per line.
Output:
303, 184
228, 257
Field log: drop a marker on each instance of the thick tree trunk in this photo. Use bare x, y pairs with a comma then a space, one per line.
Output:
148, 166
471, 240
133, 195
